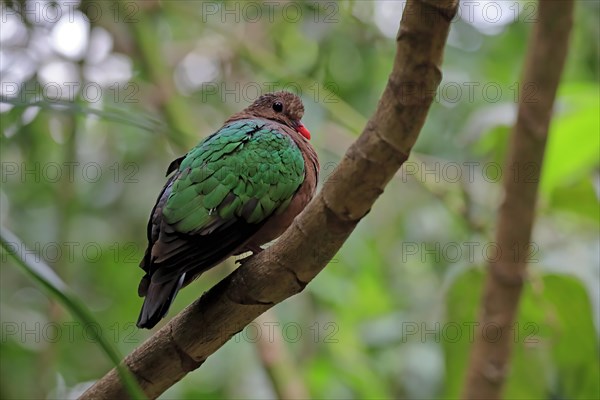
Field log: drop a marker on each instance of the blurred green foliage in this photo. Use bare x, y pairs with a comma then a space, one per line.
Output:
80, 175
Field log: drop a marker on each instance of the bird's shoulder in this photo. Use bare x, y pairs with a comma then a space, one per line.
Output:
253, 140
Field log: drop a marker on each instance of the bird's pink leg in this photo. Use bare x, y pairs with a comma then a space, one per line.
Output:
255, 249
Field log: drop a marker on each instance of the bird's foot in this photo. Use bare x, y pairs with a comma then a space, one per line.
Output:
252, 248
255, 249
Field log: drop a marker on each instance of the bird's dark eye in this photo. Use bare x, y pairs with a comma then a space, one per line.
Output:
277, 107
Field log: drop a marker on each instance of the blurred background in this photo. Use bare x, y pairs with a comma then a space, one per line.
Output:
99, 96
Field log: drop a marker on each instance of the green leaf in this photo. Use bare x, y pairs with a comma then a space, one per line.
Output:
579, 198
573, 148
47, 278
123, 117
574, 345
555, 350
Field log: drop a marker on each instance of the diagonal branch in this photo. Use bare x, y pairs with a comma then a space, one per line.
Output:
547, 51
318, 233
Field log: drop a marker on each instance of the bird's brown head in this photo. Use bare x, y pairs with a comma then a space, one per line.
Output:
283, 107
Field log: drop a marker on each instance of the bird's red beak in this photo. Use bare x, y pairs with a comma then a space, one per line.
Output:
303, 131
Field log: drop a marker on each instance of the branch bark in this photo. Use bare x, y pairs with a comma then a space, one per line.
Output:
547, 51
318, 233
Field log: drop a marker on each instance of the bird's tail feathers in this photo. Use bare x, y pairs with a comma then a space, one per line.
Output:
159, 297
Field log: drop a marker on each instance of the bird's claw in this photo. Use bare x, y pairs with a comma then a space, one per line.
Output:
251, 248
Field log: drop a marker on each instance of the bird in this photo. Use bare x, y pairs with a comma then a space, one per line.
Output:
236, 190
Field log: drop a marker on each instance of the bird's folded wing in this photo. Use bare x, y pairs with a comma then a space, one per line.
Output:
224, 190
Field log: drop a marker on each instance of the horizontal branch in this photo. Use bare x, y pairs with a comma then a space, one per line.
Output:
318, 233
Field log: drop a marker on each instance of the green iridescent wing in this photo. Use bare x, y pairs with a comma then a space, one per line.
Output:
224, 190
243, 171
